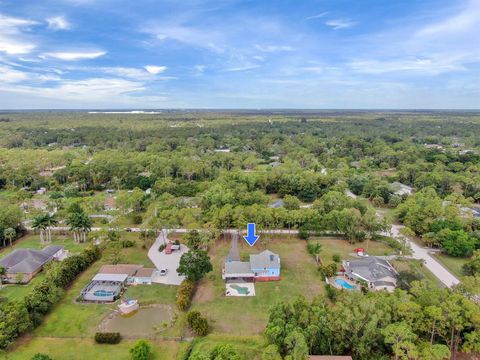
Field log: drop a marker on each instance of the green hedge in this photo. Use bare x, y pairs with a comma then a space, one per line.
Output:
107, 337
20, 316
184, 294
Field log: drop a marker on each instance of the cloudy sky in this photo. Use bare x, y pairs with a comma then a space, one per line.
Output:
239, 54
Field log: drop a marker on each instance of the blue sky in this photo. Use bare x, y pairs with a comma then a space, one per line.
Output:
239, 54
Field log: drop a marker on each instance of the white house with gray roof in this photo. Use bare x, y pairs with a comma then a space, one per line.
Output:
22, 265
377, 272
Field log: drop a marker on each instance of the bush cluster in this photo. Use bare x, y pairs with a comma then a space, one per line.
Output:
127, 243
184, 294
197, 323
107, 337
18, 317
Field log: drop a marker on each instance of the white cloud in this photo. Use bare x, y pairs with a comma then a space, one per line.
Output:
317, 16
127, 72
422, 66
9, 75
274, 48
154, 69
339, 24
199, 68
243, 67
208, 39
74, 56
84, 90
87, 93
12, 39
58, 23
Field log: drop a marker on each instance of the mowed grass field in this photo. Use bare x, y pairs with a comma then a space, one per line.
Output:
67, 331
299, 277
86, 349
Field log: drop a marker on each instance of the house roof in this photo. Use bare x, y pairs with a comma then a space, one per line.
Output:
144, 272
401, 189
28, 260
266, 259
276, 204
371, 269
129, 269
238, 268
110, 277
52, 249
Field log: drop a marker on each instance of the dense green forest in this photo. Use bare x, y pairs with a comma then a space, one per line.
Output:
316, 172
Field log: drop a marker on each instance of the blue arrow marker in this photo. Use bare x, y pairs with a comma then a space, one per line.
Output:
251, 238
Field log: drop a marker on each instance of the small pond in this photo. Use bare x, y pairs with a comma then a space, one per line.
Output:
146, 321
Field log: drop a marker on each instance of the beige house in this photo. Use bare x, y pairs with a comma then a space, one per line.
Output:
22, 265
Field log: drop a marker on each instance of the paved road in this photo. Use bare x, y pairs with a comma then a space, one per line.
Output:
418, 252
421, 253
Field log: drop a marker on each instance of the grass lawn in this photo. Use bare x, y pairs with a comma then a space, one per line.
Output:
454, 264
80, 349
32, 240
250, 347
338, 246
18, 292
68, 329
299, 277
417, 267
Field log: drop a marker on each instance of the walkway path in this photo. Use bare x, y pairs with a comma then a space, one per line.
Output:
421, 253
234, 254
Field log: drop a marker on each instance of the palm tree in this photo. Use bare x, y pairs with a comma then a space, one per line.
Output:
314, 249
9, 234
85, 225
50, 221
40, 223
74, 222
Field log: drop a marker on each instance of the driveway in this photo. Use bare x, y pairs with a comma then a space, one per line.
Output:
166, 261
421, 253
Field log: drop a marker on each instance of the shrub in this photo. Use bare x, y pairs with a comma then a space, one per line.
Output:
142, 350
197, 323
136, 219
336, 258
184, 294
161, 248
127, 243
39, 356
303, 234
331, 292
328, 270
107, 337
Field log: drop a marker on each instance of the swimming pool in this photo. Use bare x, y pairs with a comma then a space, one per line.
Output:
344, 284
102, 293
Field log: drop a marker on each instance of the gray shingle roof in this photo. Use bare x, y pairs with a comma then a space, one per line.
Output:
371, 268
28, 260
238, 267
265, 259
